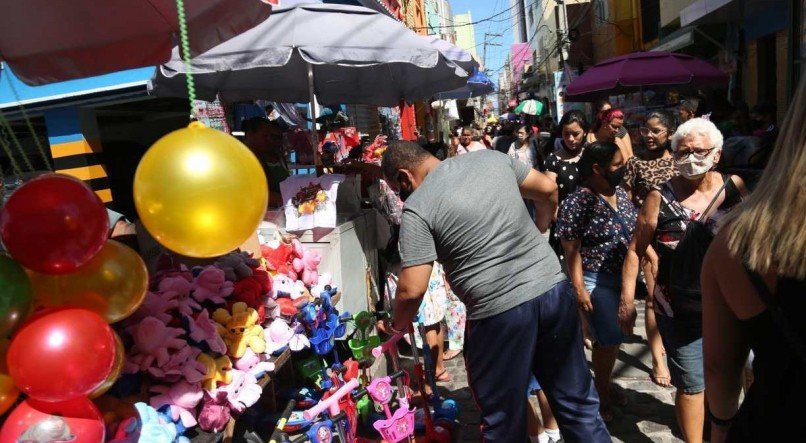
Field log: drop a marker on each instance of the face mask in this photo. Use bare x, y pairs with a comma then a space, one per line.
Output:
693, 168
614, 178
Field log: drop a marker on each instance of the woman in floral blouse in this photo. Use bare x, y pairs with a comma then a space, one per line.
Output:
651, 166
595, 226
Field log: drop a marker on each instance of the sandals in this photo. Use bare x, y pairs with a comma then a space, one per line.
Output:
444, 377
662, 381
451, 354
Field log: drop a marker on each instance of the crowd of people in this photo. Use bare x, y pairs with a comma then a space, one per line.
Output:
548, 242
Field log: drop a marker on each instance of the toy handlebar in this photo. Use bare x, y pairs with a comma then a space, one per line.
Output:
278, 431
331, 403
379, 350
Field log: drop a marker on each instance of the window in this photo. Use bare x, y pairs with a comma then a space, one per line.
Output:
601, 12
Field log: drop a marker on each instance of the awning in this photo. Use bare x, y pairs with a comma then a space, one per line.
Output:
676, 40
13, 89
711, 11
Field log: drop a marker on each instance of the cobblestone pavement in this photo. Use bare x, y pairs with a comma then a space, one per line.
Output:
648, 417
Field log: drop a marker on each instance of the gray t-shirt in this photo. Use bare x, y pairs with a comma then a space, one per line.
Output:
468, 214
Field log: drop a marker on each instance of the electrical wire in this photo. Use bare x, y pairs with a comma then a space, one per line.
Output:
465, 24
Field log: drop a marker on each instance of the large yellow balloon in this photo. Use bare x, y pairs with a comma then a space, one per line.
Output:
117, 367
112, 284
200, 192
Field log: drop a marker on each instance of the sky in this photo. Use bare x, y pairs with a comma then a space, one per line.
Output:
481, 9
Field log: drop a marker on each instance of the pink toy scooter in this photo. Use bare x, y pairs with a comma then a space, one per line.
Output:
331, 404
400, 425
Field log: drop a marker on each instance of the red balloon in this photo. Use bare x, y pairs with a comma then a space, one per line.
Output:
53, 224
77, 421
62, 355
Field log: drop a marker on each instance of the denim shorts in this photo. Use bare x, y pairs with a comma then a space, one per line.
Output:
605, 291
683, 356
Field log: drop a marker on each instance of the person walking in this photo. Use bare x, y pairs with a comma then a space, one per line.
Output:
505, 137
561, 165
678, 217
753, 283
521, 318
466, 142
595, 226
523, 148
609, 126
651, 166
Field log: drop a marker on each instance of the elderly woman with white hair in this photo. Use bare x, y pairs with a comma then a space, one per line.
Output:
679, 219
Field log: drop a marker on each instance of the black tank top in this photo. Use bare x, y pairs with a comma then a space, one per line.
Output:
776, 402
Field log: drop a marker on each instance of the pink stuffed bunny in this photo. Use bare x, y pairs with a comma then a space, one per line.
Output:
203, 330
254, 364
214, 413
243, 392
182, 364
152, 342
307, 266
179, 288
182, 397
211, 285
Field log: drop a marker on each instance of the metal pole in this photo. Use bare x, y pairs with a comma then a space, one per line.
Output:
314, 107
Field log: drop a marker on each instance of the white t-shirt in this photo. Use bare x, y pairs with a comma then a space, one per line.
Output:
524, 154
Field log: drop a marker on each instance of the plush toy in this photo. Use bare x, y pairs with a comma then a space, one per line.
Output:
325, 280
152, 343
155, 304
217, 370
285, 287
279, 256
152, 427
243, 392
215, 412
181, 365
254, 364
272, 309
168, 265
240, 330
179, 288
211, 285
279, 335
203, 333
237, 265
182, 398
307, 266
253, 291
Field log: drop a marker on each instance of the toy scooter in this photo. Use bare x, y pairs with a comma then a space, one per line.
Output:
445, 411
320, 432
399, 425
433, 433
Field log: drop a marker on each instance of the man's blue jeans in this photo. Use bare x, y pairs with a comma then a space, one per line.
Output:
543, 337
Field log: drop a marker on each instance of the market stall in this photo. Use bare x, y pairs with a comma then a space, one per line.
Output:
232, 321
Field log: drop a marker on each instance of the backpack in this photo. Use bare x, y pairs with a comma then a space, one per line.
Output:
684, 265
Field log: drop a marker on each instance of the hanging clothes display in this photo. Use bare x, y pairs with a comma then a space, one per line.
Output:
338, 143
390, 122
310, 201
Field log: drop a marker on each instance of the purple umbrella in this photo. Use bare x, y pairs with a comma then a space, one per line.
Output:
631, 72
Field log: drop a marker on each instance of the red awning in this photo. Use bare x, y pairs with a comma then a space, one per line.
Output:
46, 41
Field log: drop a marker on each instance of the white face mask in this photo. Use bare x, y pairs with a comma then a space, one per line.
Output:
694, 167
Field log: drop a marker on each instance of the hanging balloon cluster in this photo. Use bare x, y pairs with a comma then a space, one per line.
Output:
199, 192
62, 284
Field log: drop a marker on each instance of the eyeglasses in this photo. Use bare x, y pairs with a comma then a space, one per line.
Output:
654, 131
699, 154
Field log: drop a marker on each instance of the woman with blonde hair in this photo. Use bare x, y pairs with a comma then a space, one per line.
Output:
754, 298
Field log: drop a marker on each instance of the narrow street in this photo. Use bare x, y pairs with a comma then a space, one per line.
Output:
648, 417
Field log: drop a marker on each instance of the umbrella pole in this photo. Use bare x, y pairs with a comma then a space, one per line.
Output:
317, 159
